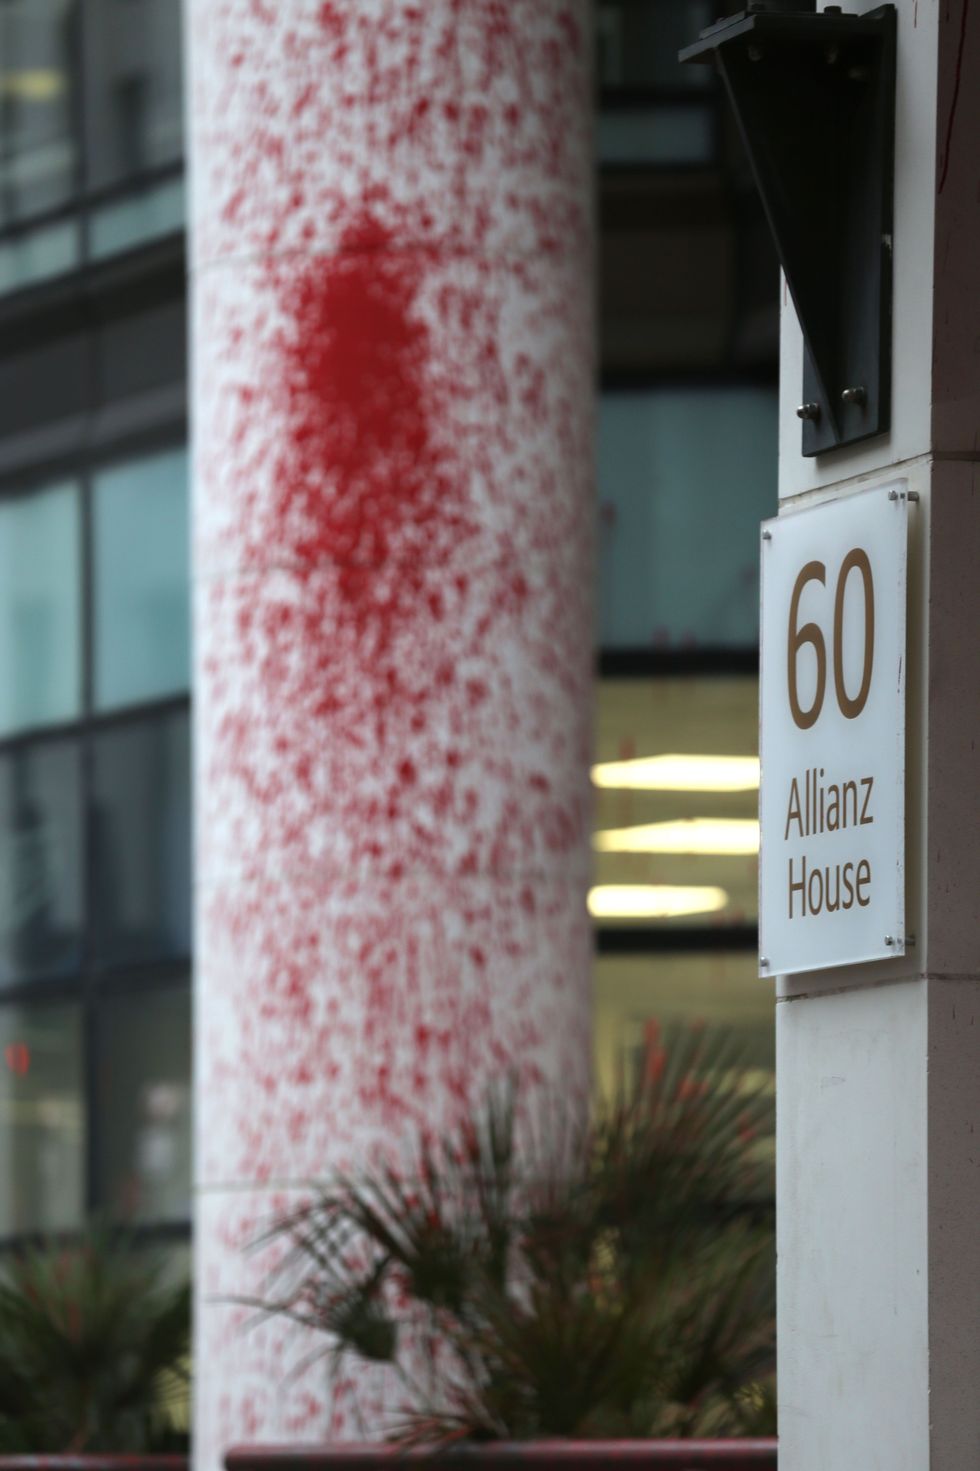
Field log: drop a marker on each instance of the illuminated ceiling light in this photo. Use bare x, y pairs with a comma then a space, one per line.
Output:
732, 836
680, 774
32, 86
654, 901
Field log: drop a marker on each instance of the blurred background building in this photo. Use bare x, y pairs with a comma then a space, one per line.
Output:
96, 948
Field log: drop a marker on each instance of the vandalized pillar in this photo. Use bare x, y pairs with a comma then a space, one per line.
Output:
879, 1064
392, 404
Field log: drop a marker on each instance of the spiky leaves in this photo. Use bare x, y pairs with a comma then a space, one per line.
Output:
94, 1348
539, 1277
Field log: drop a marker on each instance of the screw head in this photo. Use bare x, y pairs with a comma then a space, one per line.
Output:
889, 940
809, 411
857, 395
763, 961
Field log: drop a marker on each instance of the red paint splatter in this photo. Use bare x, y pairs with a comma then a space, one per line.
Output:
365, 481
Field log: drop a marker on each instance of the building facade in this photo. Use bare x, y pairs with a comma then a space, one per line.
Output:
96, 874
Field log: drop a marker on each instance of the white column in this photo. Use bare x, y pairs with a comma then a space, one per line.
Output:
879, 1065
392, 408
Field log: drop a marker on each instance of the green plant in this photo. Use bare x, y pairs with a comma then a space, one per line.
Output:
93, 1348
542, 1276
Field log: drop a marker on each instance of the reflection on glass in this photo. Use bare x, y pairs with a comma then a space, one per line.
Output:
141, 841
637, 42
676, 780
137, 218
40, 664
40, 862
655, 135
38, 254
42, 1129
133, 87
37, 152
145, 1105
685, 476
639, 995
142, 601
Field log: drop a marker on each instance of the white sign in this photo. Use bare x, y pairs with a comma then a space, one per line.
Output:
832, 862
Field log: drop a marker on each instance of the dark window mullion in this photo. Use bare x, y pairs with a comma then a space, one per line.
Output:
673, 939
89, 980
78, 93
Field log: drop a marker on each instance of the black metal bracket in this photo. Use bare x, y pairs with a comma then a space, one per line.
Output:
814, 97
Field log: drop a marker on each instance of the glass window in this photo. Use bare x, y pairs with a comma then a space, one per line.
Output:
637, 42
655, 135
142, 601
676, 778
640, 996
37, 153
145, 1105
42, 1130
38, 254
141, 841
133, 87
685, 476
40, 576
41, 902
137, 218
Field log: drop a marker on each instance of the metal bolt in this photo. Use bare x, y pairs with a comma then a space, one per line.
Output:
763, 961
893, 495
889, 940
808, 411
767, 536
854, 395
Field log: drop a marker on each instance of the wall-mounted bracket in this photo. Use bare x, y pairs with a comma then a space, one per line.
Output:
814, 97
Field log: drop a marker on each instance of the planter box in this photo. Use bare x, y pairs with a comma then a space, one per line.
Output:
537, 1455
94, 1463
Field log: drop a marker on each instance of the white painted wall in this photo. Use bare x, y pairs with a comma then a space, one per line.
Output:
878, 1103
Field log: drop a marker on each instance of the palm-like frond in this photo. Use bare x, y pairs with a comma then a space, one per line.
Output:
556, 1278
93, 1348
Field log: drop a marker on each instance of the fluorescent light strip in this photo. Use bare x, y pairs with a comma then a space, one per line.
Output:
709, 836
680, 774
32, 86
654, 901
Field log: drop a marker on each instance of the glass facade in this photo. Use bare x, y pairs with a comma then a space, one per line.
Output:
38, 147
41, 861
685, 476
40, 608
144, 1089
142, 613
687, 446
42, 1119
140, 825
95, 820
95, 846
91, 143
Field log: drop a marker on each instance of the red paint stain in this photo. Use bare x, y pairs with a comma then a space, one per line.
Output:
365, 482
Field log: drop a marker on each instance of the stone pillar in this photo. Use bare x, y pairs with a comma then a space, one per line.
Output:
879, 1065
391, 275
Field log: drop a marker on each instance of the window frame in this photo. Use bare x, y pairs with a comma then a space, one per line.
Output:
96, 981
86, 199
